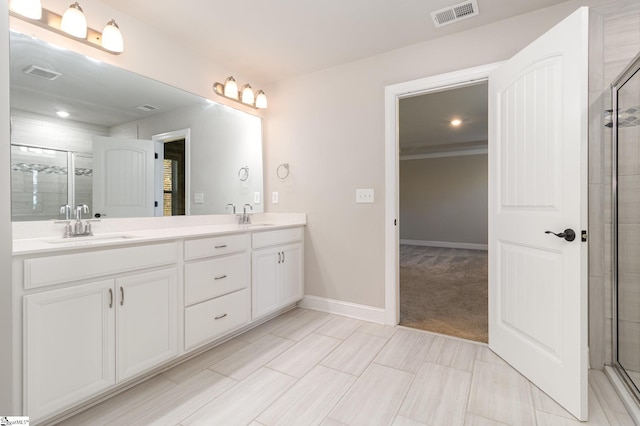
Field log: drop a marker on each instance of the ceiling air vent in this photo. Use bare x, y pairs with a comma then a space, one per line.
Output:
455, 13
147, 108
45, 73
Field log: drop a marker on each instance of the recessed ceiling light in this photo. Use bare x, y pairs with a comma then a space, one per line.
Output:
456, 122
62, 114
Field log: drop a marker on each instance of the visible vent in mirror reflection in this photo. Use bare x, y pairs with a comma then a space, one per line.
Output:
45, 73
147, 107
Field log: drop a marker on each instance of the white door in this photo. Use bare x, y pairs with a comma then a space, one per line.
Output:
265, 265
147, 318
538, 182
123, 177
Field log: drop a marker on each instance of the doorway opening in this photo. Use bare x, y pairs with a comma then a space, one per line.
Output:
443, 193
173, 164
173, 178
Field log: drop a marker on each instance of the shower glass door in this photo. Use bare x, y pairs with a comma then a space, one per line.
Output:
626, 126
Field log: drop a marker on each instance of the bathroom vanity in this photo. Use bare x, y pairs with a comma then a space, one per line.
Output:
98, 314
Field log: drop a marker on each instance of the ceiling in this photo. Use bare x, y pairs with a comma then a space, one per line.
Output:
277, 39
425, 120
91, 91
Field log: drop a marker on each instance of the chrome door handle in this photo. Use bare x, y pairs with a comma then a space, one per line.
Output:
568, 234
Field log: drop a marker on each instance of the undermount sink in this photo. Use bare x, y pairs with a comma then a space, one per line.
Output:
92, 238
258, 224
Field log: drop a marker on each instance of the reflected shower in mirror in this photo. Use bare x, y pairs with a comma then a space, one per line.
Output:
209, 155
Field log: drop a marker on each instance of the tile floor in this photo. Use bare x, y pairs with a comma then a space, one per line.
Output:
311, 368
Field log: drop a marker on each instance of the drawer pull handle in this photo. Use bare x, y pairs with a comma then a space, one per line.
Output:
220, 316
282, 257
222, 246
111, 298
121, 296
219, 277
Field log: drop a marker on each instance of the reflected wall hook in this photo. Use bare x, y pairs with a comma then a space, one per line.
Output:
243, 173
283, 174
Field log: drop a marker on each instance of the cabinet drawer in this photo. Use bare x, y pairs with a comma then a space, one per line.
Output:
43, 271
213, 318
214, 277
207, 247
273, 238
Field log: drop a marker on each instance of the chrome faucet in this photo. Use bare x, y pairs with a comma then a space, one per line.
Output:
233, 206
245, 218
79, 229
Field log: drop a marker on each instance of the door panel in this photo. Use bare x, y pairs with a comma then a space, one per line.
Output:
537, 182
123, 177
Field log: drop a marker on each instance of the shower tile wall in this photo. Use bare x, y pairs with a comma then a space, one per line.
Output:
614, 42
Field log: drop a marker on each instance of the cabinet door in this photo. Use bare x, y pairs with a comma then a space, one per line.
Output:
146, 320
69, 346
291, 274
265, 291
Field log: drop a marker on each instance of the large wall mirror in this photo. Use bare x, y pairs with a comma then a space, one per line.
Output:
128, 146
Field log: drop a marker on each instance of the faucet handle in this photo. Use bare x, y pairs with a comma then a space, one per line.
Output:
68, 231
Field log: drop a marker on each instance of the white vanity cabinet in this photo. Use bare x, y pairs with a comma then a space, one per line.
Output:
85, 336
276, 270
216, 277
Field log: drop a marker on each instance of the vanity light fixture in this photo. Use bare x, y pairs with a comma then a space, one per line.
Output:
72, 23
112, 37
245, 95
31, 9
62, 114
456, 122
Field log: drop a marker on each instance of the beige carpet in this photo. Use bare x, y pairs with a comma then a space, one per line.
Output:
444, 290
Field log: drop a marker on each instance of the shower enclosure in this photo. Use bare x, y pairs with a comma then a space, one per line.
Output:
625, 118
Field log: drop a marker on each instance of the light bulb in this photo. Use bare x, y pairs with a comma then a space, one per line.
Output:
247, 94
456, 122
74, 22
28, 8
231, 88
112, 37
261, 100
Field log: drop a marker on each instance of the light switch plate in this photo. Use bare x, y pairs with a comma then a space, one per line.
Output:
364, 196
256, 198
198, 198
274, 198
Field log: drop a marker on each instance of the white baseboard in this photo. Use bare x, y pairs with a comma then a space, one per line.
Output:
347, 309
445, 244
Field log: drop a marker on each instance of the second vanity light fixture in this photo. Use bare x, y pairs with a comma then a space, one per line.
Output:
72, 23
245, 95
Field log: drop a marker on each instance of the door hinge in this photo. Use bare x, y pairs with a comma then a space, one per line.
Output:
156, 155
584, 236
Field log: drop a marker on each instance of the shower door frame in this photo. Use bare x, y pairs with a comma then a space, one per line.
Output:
629, 72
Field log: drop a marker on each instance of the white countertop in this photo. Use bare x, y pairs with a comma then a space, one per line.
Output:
121, 233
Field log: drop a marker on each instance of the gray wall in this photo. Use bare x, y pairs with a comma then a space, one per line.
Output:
444, 199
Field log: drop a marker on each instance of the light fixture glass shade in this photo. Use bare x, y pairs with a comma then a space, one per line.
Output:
74, 21
261, 99
231, 88
28, 8
112, 37
247, 95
